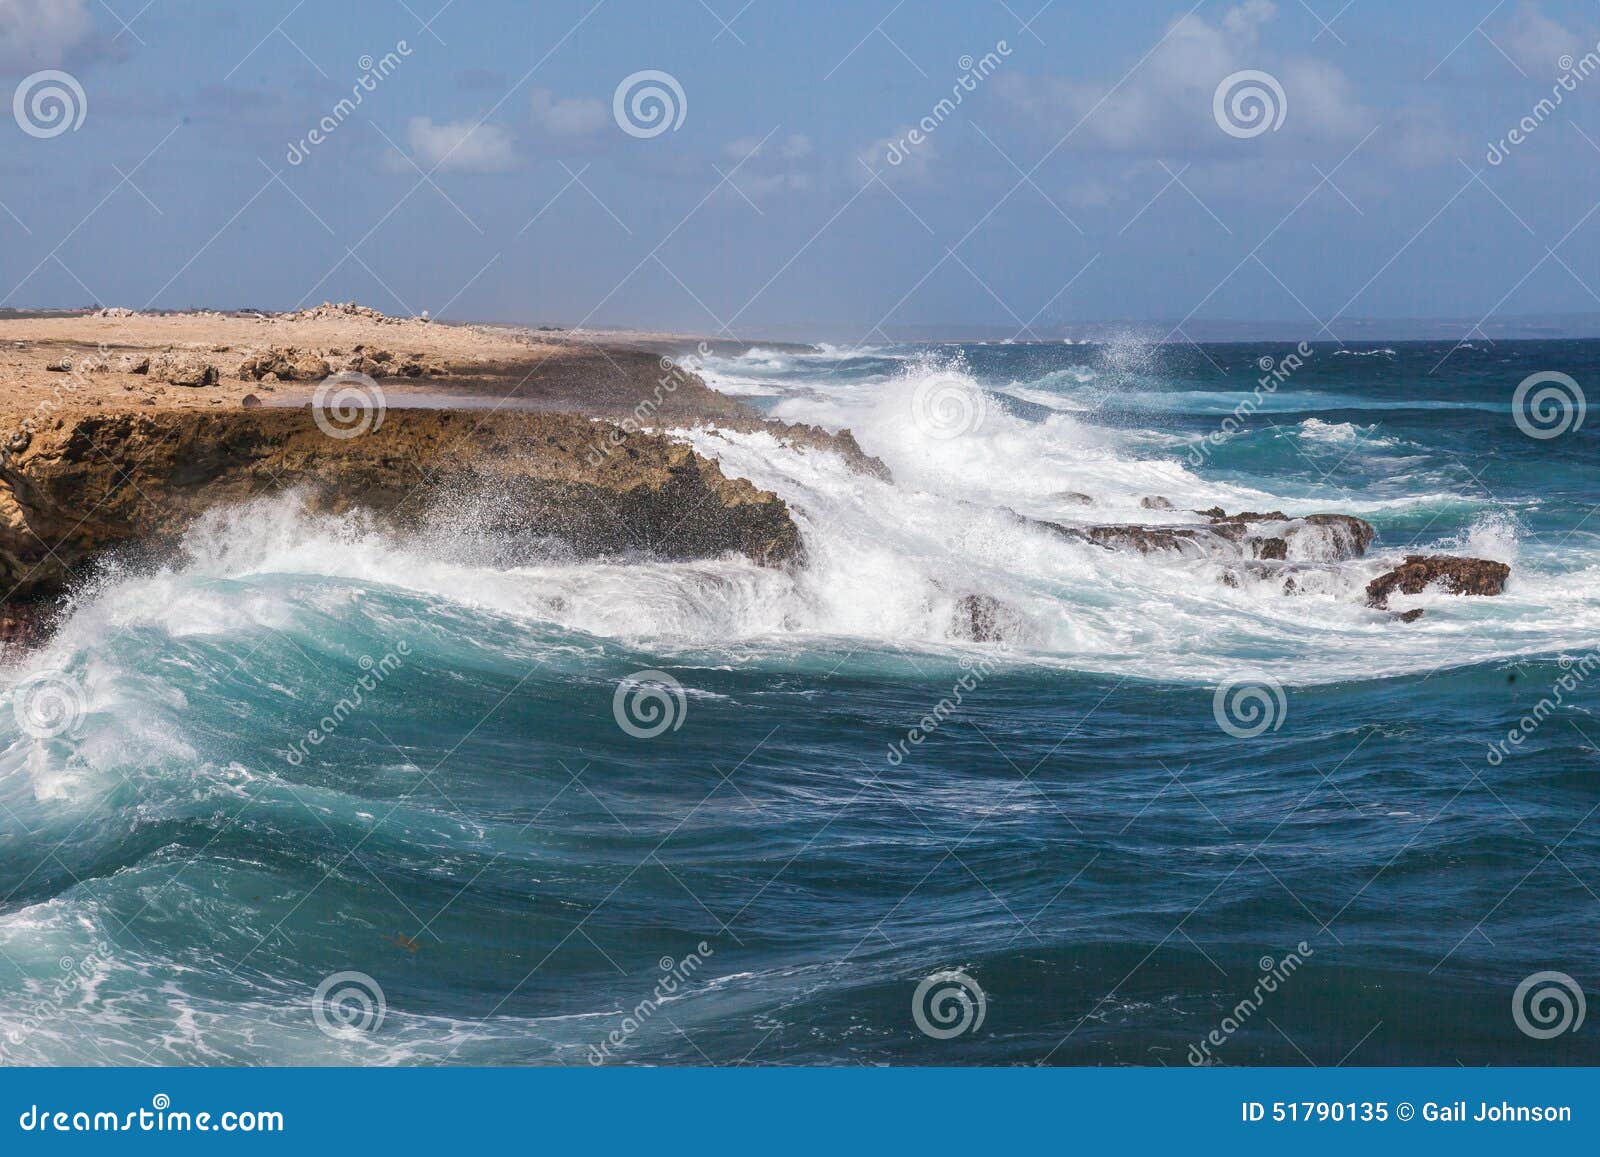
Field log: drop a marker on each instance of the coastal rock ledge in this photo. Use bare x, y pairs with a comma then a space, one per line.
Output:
86, 484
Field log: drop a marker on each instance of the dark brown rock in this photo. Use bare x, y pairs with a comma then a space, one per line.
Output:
102, 481
1457, 576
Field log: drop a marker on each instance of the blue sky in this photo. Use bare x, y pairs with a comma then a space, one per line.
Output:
1085, 176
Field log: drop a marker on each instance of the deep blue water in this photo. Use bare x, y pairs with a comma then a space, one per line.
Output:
1079, 836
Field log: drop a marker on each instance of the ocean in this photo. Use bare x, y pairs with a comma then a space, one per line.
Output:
302, 793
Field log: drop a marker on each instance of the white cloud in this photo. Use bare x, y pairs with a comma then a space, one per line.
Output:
1536, 42
765, 168
573, 117
794, 147
462, 146
37, 34
1165, 106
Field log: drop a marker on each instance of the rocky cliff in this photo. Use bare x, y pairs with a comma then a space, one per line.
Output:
81, 484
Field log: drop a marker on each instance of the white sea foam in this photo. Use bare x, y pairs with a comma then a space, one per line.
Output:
886, 565
1343, 434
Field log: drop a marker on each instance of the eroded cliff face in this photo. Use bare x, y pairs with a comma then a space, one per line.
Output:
83, 483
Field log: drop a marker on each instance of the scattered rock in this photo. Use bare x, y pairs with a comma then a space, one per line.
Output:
60, 366
1457, 576
985, 619
182, 369
1072, 496
284, 364
337, 309
1410, 616
1336, 535
844, 443
250, 401
1156, 502
1217, 514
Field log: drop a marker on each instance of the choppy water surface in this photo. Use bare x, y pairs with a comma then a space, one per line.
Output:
762, 866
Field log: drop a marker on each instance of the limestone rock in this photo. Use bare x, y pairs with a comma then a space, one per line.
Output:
103, 480
182, 369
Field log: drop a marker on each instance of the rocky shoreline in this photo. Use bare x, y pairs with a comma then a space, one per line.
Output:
120, 429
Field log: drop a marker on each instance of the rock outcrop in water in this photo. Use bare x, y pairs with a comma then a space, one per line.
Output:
95, 482
1272, 536
1456, 576
985, 619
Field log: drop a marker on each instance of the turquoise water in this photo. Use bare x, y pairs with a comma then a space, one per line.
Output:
562, 811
